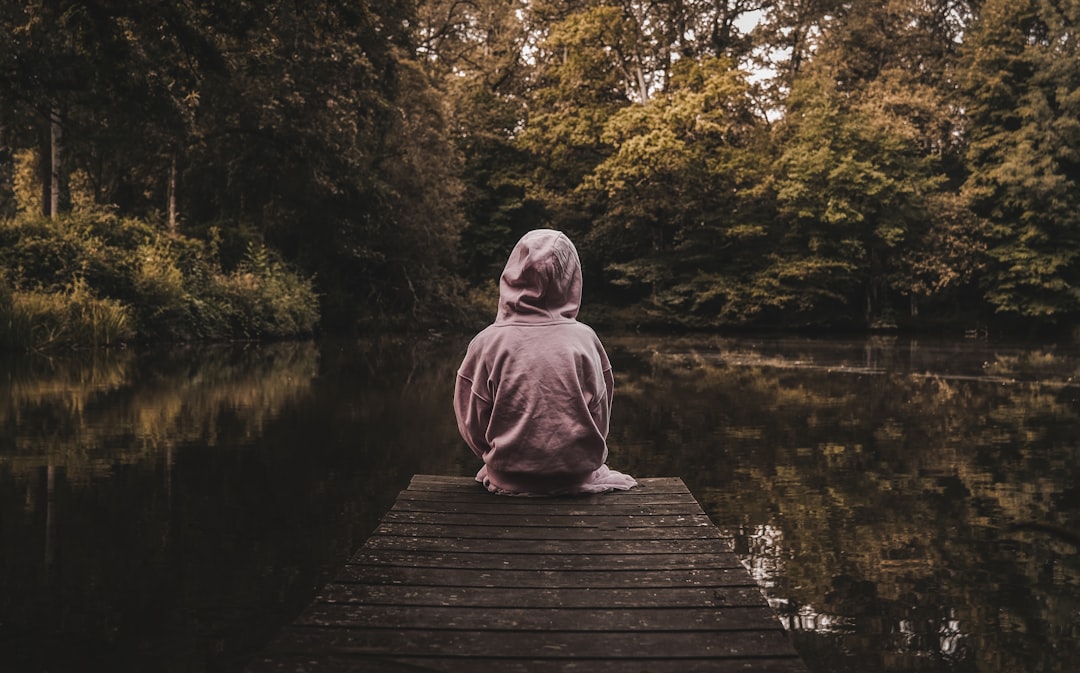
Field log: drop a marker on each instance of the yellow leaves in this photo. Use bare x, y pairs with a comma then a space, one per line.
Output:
676, 138
25, 188
594, 27
745, 232
157, 276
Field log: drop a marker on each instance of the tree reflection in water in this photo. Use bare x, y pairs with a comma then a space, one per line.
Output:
169, 510
905, 506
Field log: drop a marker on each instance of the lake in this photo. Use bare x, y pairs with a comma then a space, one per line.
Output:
906, 505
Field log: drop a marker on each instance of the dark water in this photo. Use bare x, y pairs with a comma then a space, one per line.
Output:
907, 506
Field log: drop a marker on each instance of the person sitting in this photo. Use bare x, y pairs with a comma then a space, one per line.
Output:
533, 393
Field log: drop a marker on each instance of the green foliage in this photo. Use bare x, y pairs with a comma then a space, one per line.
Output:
579, 83
1023, 81
484, 107
72, 318
96, 279
852, 185
307, 126
267, 299
158, 281
26, 192
840, 162
944, 258
681, 191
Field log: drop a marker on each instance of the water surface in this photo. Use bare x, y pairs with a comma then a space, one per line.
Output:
905, 505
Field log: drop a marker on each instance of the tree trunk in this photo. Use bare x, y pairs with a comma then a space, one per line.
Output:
643, 88
172, 195
55, 138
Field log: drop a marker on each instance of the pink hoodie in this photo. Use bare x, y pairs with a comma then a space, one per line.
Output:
533, 394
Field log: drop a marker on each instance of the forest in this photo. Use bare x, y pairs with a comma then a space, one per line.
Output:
215, 169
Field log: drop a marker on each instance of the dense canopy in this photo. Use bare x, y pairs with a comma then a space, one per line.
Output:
868, 164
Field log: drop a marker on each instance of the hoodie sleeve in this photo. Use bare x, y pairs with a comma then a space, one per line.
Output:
473, 414
601, 412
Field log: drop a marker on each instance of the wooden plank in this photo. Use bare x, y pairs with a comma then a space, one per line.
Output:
520, 520
531, 619
479, 495
586, 533
509, 561
546, 507
592, 548
636, 645
454, 578
542, 579
390, 594
292, 663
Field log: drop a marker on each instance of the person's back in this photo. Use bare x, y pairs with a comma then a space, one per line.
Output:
533, 396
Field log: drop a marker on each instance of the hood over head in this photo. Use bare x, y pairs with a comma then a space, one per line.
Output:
541, 280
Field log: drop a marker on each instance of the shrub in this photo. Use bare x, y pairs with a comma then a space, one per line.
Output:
157, 279
39, 320
267, 299
91, 278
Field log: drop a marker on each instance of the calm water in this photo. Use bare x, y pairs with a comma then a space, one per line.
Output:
906, 506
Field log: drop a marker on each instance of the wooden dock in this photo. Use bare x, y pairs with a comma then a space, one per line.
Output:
457, 579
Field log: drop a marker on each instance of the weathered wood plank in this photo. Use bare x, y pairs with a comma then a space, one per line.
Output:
292, 663
391, 594
547, 644
504, 533
592, 548
564, 520
543, 579
510, 561
492, 505
531, 619
479, 495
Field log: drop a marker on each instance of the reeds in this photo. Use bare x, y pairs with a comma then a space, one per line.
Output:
73, 318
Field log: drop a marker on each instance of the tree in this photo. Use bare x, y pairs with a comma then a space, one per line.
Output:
118, 83
477, 54
941, 263
576, 87
276, 122
850, 183
1023, 86
872, 145
788, 34
679, 190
